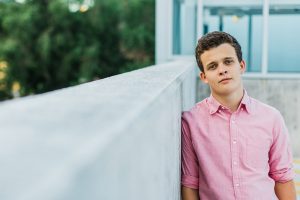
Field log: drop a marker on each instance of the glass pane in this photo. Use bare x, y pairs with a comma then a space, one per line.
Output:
243, 20
284, 40
184, 27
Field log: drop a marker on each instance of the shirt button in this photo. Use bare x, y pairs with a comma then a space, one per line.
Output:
233, 121
234, 141
237, 185
235, 163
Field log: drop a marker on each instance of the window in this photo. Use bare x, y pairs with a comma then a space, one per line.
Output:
269, 40
184, 27
284, 43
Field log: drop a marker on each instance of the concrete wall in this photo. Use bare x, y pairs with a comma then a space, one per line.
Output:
117, 138
283, 94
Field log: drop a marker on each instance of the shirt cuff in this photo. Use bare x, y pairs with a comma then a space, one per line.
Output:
283, 175
190, 182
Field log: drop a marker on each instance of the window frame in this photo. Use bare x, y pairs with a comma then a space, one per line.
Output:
263, 73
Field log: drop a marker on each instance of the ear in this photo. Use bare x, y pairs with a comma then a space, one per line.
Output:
243, 66
203, 77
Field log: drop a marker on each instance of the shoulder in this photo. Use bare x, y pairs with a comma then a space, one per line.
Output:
199, 110
260, 108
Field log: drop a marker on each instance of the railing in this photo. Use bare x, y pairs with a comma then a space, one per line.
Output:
117, 138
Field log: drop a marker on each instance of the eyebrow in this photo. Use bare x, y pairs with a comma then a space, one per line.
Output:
228, 58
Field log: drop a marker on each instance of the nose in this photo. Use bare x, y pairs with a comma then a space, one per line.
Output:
222, 71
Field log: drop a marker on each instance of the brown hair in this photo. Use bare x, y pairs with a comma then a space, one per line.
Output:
214, 39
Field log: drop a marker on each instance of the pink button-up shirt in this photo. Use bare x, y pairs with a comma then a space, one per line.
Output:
235, 155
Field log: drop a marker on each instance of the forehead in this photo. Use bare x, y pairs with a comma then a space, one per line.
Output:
218, 53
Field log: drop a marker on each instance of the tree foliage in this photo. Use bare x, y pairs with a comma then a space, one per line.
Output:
44, 46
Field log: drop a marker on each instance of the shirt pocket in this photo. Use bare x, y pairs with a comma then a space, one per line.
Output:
257, 154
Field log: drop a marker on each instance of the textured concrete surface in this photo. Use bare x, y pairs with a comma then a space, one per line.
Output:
283, 94
117, 138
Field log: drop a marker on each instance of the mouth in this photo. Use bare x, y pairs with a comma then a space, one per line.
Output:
225, 80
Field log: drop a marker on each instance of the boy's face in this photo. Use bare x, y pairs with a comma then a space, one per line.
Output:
222, 70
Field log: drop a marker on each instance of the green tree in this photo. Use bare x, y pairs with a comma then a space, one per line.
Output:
46, 47
138, 33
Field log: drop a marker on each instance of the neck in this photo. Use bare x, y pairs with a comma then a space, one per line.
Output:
231, 101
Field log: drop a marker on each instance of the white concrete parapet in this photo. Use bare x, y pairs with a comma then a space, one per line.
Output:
116, 138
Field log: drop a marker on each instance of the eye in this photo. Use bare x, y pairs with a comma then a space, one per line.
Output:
212, 67
228, 62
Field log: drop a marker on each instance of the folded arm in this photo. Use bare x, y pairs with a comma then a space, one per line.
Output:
285, 191
189, 193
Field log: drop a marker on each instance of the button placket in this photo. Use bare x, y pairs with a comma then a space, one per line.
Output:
234, 153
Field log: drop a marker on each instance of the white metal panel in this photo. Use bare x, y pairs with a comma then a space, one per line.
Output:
264, 65
163, 30
199, 18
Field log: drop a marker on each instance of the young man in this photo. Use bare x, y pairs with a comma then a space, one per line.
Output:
233, 146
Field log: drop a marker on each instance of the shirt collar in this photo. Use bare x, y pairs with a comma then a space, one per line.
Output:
246, 102
214, 105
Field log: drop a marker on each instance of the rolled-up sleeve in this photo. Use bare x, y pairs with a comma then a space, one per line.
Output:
280, 155
189, 162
